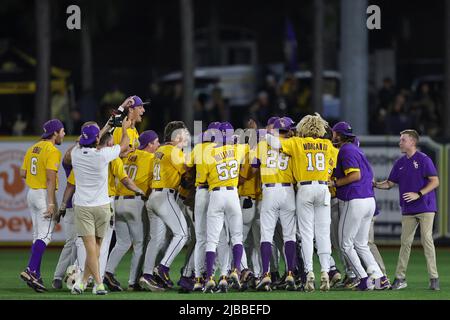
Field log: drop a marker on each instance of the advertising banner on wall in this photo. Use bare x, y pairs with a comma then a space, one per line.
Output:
15, 219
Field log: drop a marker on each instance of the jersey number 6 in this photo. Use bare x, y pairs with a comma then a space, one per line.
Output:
228, 170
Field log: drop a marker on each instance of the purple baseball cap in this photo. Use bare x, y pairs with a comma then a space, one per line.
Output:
272, 120
343, 128
282, 124
290, 122
214, 125
89, 134
146, 137
50, 127
137, 102
224, 126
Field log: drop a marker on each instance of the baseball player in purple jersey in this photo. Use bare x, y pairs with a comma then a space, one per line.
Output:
356, 205
417, 179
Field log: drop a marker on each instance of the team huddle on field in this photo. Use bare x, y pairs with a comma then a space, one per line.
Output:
240, 204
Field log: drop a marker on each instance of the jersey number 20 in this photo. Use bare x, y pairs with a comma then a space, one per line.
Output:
316, 162
228, 170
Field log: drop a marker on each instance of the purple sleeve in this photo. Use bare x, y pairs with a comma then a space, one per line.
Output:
349, 160
428, 168
257, 164
393, 176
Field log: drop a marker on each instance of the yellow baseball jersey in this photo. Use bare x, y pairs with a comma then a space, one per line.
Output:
200, 156
40, 157
311, 157
251, 187
71, 178
139, 167
276, 167
333, 161
116, 172
168, 167
132, 134
224, 170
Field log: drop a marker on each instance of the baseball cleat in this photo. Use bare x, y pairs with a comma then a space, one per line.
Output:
434, 284
210, 285
99, 289
223, 285
134, 287
382, 283
310, 285
57, 284
111, 282
278, 283
399, 284
198, 285
351, 283
186, 284
334, 276
164, 276
78, 288
32, 280
290, 282
264, 283
324, 281
234, 277
365, 284
148, 283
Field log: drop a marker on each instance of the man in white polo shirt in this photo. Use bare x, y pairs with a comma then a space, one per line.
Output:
91, 201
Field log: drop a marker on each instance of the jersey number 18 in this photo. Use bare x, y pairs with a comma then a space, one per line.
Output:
316, 162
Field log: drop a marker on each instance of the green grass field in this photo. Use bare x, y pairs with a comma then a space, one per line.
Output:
12, 262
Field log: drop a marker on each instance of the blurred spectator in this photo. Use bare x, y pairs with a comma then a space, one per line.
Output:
426, 112
19, 126
75, 117
260, 109
386, 94
200, 107
398, 119
59, 107
216, 108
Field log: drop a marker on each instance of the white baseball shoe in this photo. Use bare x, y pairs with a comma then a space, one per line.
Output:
78, 287
310, 285
210, 285
234, 276
324, 281
264, 282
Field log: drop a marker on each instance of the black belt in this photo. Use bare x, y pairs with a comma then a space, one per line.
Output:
161, 189
203, 186
304, 183
218, 188
127, 197
270, 185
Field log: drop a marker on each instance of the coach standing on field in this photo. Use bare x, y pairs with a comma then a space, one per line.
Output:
417, 178
91, 201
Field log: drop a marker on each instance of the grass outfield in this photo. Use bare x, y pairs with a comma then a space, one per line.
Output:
12, 262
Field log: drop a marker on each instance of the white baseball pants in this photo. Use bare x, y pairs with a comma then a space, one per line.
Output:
354, 225
69, 252
200, 210
314, 219
42, 227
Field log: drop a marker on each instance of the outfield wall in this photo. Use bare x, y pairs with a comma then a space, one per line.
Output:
382, 151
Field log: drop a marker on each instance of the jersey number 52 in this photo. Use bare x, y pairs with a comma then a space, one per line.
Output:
228, 170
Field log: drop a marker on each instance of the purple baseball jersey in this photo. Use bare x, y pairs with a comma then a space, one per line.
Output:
411, 175
351, 157
68, 169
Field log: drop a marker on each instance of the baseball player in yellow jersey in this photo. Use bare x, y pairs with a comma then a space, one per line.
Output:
200, 156
136, 109
278, 203
168, 167
40, 169
311, 155
223, 178
129, 208
249, 191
